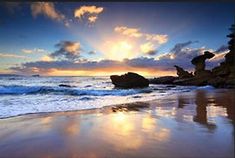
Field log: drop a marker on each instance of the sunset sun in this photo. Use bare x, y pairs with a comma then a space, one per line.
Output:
118, 50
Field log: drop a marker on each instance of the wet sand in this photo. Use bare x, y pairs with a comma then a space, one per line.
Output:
194, 124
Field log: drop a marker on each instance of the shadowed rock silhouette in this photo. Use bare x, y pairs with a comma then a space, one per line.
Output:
129, 80
199, 63
182, 73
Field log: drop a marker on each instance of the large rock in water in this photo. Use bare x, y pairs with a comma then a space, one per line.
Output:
129, 80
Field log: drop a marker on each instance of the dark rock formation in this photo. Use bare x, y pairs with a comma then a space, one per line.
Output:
199, 63
226, 69
225, 72
129, 80
220, 76
182, 73
65, 85
191, 81
163, 80
36, 75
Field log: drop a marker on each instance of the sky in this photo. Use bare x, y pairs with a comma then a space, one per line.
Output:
105, 38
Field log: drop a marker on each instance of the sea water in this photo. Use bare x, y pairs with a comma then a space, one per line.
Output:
23, 95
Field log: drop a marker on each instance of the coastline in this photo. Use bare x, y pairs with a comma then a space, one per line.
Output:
181, 123
110, 107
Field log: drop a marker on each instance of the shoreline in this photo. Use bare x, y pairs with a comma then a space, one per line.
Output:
109, 107
175, 126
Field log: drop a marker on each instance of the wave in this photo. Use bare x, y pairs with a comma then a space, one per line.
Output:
207, 87
30, 90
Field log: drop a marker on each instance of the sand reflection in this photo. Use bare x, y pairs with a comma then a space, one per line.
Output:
169, 127
69, 126
120, 131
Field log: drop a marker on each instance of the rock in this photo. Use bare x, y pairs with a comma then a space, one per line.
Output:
163, 80
191, 81
222, 76
182, 73
199, 63
36, 75
65, 85
222, 70
226, 69
129, 80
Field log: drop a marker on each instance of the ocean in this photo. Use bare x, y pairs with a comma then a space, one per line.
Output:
26, 95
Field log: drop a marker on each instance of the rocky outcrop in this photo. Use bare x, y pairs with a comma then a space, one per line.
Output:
220, 76
225, 72
226, 69
182, 73
129, 80
163, 80
65, 85
199, 63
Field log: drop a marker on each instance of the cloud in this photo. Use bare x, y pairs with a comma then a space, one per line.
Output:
89, 12
35, 50
180, 55
179, 46
222, 49
131, 32
48, 9
161, 39
92, 19
68, 50
148, 48
7, 55
219, 54
46, 58
136, 32
112, 66
91, 52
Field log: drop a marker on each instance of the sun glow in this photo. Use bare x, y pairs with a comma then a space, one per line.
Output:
118, 50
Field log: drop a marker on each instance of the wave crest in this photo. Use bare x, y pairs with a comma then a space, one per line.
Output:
16, 90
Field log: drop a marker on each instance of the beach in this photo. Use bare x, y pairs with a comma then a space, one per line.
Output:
117, 80
199, 123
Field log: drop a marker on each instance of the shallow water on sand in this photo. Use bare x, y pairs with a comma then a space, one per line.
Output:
195, 124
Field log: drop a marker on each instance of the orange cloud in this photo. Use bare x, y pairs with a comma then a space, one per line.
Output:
135, 32
161, 39
92, 13
47, 9
147, 48
131, 32
46, 58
